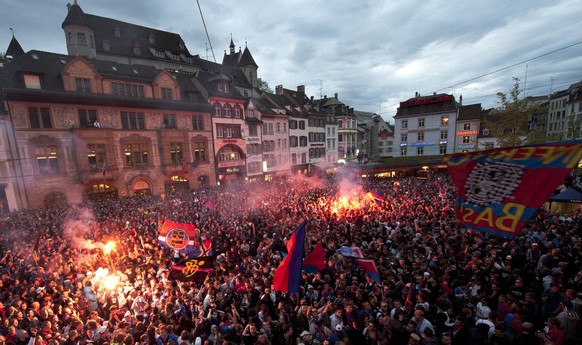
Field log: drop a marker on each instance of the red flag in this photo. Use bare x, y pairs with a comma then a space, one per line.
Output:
315, 261
288, 275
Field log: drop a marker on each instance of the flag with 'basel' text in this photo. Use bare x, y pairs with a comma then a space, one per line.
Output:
192, 270
499, 190
180, 237
288, 275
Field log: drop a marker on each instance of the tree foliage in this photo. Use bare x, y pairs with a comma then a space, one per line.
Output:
509, 122
2, 56
263, 86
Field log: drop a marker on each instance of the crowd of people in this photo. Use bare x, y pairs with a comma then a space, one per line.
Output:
440, 284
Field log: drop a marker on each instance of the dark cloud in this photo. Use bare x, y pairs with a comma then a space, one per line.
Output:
374, 54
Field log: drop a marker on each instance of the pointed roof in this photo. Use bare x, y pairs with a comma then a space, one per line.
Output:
75, 16
470, 112
14, 49
247, 59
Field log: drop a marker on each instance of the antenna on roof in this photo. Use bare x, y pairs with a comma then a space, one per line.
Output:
320, 89
206, 30
11, 29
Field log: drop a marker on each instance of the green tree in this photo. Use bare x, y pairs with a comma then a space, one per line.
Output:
263, 86
509, 122
2, 56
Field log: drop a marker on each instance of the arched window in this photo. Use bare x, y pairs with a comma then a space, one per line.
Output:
217, 109
237, 112
226, 110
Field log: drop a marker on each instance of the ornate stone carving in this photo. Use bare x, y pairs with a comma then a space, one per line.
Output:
80, 68
65, 117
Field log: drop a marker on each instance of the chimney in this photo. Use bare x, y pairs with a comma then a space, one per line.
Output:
336, 95
461, 100
301, 88
324, 96
279, 89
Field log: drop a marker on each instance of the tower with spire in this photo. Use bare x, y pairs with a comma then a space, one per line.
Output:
14, 49
244, 61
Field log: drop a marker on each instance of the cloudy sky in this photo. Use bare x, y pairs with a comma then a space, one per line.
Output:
374, 54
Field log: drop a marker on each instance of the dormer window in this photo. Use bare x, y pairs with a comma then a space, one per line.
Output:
223, 87
181, 45
117, 32
485, 131
106, 46
160, 54
175, 56
136, 49
151, 38
32, 81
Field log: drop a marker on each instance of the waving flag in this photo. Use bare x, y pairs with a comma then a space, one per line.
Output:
194, 270
370, 267
288, 275
315, 261
499, 190
180, 237
351, 252
376, 197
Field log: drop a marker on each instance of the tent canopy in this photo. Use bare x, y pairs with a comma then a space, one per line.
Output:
569, 195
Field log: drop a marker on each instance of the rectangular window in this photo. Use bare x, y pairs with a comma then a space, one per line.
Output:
403, 151
83, 85
132, 120
293, 141
420, 151
404, 138
87, 118
444, 120
420, 137
166, 93
170, 121
39, 117
198, 122
444, 135
443, 150
466, 139
176, 153
466, 126
81, 39
136, 155
47, 159
421, 122
253, 132
404, 124
200, 151
301, 124
96, 157
32, 81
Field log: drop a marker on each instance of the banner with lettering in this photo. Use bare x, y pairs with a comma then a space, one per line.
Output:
194, 270
499, 190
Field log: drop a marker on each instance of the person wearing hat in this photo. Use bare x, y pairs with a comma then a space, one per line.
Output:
306, 338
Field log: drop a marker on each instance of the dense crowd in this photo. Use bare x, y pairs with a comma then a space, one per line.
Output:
439, 284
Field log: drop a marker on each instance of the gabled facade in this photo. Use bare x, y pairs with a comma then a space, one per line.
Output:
467, 131
422, 122
382, 138
100, 129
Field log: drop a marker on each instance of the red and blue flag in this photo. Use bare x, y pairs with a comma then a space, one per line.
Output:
315, 261
287, 277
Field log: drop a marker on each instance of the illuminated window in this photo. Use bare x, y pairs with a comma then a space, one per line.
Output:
176, 153
200, 151
466, 139
466, 126
47, 159
444, 120
96, 156
136, 155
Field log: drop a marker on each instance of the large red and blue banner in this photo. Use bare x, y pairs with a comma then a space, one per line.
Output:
180, 237
288, 275
499, 190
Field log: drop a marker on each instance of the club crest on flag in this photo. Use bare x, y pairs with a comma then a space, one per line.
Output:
177, 238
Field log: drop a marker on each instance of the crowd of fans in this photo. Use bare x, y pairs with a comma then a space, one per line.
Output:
439, 284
